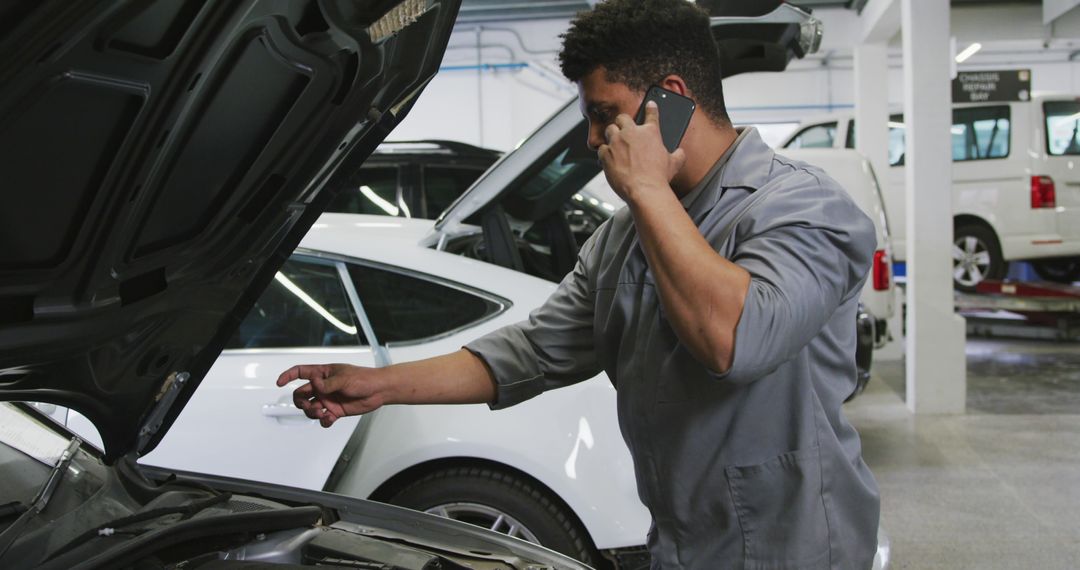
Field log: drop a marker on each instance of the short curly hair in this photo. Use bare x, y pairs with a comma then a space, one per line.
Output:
640, 42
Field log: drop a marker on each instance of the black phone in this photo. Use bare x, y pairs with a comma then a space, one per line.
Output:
675, 113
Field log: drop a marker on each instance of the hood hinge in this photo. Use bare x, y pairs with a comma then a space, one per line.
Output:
170, 389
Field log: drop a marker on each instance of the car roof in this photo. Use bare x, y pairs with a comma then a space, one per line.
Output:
396, 242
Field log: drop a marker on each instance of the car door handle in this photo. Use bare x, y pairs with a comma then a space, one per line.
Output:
283, 410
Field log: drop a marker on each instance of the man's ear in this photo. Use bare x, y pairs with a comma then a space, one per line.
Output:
677, 84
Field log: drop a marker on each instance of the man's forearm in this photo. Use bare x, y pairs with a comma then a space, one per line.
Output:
457, 378
702, 293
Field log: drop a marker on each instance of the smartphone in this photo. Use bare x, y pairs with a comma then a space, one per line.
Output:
675, 113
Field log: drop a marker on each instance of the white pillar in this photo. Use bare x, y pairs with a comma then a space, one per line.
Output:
872, 106
936, 365
872, 140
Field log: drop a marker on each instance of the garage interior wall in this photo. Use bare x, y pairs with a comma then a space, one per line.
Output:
500, 80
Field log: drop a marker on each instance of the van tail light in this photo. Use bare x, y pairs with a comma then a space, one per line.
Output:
882, 271
1043, 194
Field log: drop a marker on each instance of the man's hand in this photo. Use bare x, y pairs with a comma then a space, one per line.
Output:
635, 159
334, 391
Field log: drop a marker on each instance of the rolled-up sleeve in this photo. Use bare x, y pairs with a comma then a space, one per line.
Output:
808, 248
553, 348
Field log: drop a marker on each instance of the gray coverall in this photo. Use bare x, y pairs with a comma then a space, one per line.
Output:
756, 467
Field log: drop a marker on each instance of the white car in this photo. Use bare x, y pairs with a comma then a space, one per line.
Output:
1015, 184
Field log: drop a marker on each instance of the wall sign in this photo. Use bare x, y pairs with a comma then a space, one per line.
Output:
984, 86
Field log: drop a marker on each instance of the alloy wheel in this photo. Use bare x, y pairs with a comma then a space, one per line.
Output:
971, 260
486, 517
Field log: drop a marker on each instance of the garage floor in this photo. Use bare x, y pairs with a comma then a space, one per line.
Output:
998, 487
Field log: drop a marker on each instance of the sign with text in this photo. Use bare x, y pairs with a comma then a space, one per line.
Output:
985, 86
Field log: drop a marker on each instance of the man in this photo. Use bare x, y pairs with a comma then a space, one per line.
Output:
721, 303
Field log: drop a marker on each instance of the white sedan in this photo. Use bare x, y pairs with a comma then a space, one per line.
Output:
361, 290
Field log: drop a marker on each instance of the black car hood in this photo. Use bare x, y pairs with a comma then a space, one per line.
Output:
160, 161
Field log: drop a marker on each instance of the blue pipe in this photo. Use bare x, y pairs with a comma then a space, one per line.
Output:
794, 107
483, 66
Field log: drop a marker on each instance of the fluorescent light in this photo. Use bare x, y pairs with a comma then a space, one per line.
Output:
379, 201
968, 52
303, 296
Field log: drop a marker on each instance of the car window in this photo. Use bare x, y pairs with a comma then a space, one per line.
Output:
376, 194
980, 133
816, 136
304, 306
443, 185
1062, 127
850, 141
405, 308
896, 140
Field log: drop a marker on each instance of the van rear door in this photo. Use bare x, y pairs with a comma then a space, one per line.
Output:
1062, 161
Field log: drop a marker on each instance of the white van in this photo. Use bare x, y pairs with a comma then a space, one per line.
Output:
1015, 184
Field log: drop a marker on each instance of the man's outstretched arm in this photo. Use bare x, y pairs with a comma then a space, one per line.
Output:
334, 391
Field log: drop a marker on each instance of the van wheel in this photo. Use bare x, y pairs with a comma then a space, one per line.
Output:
976, 257
501, 502
1058, 270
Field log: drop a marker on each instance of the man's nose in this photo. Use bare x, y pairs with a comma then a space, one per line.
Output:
596, 137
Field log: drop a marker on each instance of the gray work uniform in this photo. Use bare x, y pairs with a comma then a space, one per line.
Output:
756, 467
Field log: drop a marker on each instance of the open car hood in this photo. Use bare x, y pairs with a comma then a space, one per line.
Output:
752, 35
160, 162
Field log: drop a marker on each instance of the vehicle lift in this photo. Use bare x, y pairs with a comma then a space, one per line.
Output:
1022, 309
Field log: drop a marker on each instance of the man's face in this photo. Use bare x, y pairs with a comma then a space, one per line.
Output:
601, 101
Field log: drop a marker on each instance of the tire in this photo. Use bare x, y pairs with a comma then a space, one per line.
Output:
480, 495
864, 351
1058, 270
976, 257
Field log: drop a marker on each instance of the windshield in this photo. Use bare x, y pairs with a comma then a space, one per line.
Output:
1062, 127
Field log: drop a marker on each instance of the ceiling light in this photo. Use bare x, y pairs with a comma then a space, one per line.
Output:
379, 201
968, 52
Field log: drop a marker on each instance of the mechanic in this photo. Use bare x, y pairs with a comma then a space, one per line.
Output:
721, 302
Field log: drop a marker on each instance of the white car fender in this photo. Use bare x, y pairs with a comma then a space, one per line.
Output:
588, 467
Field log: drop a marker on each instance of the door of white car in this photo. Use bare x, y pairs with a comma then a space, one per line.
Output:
239, 423
1063, 161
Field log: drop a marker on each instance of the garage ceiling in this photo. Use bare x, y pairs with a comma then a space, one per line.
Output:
502, 10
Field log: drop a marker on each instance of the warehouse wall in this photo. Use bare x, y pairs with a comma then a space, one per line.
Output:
496, 93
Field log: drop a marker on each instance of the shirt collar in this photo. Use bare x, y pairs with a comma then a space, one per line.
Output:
710, 176
745, 163
750, 162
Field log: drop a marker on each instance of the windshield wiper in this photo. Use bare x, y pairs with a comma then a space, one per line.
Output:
7, 538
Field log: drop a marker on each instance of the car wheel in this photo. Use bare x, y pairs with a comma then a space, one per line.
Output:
1058, 270
501, 502
864, 350
976, 257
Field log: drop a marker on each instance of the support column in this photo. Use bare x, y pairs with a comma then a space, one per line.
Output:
872, 140
872, 106
936, 364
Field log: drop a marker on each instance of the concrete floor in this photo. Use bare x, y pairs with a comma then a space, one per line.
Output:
998, 487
